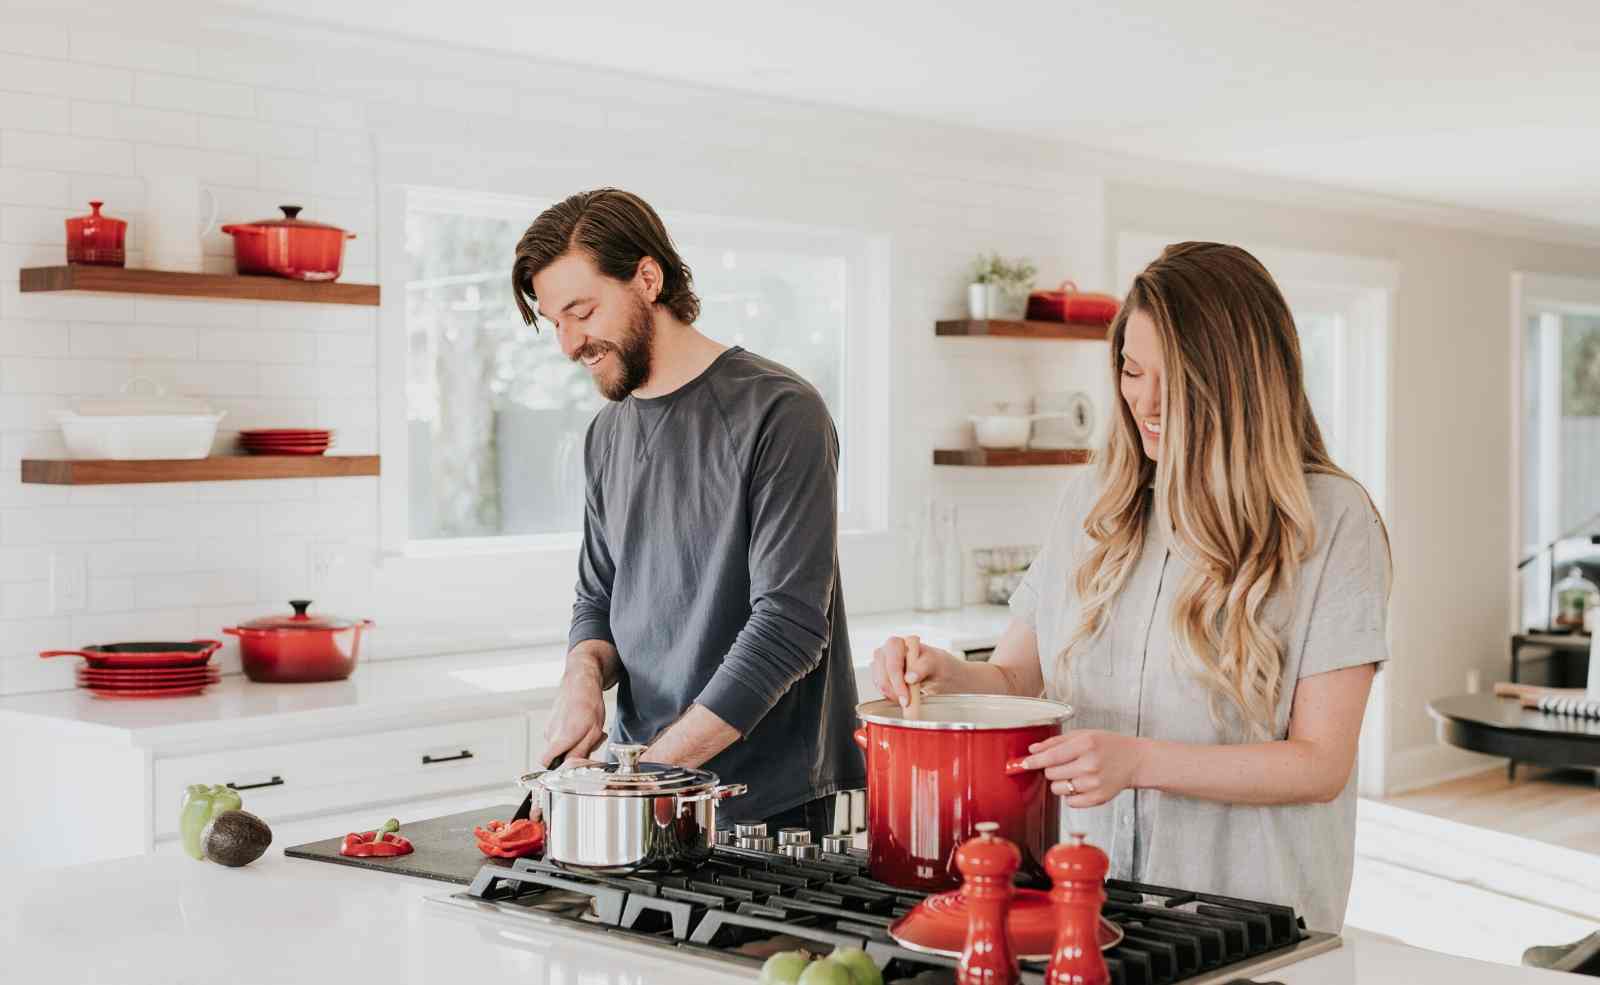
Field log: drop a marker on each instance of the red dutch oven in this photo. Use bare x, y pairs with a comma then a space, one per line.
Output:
931, 779
289, 247
299, 649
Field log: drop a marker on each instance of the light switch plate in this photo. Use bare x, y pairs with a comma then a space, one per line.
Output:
69, 581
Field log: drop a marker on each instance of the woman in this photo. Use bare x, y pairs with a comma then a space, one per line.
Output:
1211, 599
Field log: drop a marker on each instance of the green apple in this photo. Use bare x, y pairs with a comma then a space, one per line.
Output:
827, 972
785, 968
862, 968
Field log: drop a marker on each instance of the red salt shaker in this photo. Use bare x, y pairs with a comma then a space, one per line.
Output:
96, 239
987, 863
1079, 871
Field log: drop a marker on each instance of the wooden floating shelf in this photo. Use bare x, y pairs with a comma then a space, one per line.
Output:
1010, 457
100, 472
175, 283
1002, 328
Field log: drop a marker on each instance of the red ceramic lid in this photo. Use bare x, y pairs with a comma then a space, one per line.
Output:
300, 620
291, 219
938, 925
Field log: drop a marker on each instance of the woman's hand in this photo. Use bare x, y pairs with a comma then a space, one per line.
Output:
903, 661
1088, 767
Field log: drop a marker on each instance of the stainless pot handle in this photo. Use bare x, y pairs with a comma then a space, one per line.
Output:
726, 790
529, 780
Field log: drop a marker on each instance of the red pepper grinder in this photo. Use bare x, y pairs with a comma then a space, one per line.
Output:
987, 862
1079, 873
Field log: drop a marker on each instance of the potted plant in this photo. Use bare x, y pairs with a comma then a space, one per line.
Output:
999, 287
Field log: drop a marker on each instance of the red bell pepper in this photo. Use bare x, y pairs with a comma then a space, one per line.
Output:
514, 839
382, 843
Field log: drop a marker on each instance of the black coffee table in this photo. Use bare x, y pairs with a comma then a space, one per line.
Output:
1502, 727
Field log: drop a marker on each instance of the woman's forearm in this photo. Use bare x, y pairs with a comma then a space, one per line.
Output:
1288, 771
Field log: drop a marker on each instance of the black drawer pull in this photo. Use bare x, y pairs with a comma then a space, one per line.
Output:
276, 781
464, 754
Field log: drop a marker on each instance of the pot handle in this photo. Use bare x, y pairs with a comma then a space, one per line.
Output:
1014, 766
726, 790
233, 230
212, 646
64, 653
860, 735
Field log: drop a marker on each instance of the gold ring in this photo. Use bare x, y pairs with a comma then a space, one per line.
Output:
1072, 791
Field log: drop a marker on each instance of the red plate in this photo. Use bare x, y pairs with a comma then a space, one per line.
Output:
938, 925
271, 447
163, 693
146, 685
286, 432
286, 451
152, 676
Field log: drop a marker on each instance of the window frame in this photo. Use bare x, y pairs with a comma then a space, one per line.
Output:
864, 429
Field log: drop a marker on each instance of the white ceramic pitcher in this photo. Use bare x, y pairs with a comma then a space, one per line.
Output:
177, 221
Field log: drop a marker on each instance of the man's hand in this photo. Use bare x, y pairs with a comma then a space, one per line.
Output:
693, 739
578, 724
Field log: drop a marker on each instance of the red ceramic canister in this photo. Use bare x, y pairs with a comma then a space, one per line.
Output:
95, 239
931, 779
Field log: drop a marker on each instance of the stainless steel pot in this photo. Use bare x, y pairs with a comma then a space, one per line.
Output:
628, 816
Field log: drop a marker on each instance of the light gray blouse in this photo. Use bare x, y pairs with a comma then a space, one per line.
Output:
1125, 680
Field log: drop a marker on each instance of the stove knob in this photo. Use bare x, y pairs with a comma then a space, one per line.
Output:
835, 844
805, 852
725, 837
794, 836
750, 829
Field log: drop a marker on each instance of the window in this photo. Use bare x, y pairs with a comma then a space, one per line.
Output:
496, 415
1557, 436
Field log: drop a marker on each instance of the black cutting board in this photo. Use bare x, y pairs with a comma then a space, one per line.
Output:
445, 847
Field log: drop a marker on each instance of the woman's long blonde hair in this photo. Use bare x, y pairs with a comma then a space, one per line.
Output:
1238, 438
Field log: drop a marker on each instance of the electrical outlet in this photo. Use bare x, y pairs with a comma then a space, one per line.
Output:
322, 564
69, 581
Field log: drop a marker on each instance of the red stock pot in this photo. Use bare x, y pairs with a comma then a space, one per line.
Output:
289, 247
933, 778
299, 649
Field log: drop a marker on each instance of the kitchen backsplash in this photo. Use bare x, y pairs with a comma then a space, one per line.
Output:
265, 120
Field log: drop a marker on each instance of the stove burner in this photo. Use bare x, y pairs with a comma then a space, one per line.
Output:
742, 906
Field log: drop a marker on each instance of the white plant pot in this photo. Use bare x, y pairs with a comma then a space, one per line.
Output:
977, 301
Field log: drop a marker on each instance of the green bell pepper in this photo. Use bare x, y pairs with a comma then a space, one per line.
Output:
200, 804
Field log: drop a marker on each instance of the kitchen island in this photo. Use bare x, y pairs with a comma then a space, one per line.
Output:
169, 919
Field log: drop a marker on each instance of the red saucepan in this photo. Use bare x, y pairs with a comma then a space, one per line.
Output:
300, 648
932, 777
289, 247
142, 656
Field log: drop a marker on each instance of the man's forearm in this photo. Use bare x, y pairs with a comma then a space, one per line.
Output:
597, 657
693, 739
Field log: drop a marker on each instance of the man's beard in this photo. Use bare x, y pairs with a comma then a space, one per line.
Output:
633, 355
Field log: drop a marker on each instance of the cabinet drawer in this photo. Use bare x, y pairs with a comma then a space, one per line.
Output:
314, 777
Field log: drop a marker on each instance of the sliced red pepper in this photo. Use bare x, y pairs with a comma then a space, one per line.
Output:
368, 844
514, 839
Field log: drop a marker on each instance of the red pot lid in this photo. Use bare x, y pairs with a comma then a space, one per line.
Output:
938, 925
291, 219
300, 620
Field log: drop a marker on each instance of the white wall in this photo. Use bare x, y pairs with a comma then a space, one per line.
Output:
1450, 518
268, 114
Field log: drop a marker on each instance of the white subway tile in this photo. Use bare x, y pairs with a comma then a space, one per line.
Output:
308, 108
290, 181
349, 489
202, 378
201, 588
140, 557
63, 525
32, 338
264, 412
205, 314
322, 519
111, 594
107, 339
347, 350
255, 137
383, 89
351, 148
193, 95
174, 624
137, 494
470, 97
320, 318
25, 673
45, 40
16, 493
63, 305
24, 564
259, 346
124, 198
20, 187
348, 414
345, 382
25, 224
290, 381
136, 123
75, 80
23, 111
24, 600
59, 152
231, 61
76, 376
196, 520
103, 48
17, 445
218, 167
255, 491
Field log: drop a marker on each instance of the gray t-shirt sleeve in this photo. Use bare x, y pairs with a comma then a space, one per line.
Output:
793, 562
591, 611
1349, 615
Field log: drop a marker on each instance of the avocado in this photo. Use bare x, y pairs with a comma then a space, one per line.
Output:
235, 838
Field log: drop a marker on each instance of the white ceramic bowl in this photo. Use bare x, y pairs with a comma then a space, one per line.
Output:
138, 436
1002, 430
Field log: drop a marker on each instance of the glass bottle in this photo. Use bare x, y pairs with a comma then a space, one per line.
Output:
1574, 594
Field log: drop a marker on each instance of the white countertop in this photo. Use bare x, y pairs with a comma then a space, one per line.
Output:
169, 919
459, 685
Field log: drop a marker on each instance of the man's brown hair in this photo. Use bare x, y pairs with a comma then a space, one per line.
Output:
616, 229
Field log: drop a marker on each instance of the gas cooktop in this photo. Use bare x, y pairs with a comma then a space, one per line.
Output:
742, 905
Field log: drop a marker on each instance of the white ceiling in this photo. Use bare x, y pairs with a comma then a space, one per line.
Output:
1492, 105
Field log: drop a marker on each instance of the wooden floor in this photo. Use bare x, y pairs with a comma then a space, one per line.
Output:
1558, 807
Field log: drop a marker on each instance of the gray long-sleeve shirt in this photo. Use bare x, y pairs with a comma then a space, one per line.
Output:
710, 560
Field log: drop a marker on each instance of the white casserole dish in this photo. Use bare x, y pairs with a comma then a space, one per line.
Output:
138, 427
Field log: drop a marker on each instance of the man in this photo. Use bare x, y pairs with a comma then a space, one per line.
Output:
708, 584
